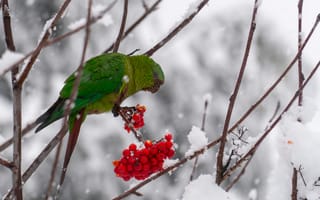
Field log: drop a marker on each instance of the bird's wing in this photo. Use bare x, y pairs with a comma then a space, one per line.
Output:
102, 75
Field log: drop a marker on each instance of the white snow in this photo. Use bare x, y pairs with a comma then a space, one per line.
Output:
207, 97
297, 145
197, 138
77, 24
204, 188
7, 59
30, 2
98, 10
125, 79
253, 194
46, 27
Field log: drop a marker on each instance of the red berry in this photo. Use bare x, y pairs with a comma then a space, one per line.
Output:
126, 152
131, 160
144, 159
127, 128
161, 146
129, 168
160, 157
169, 145
168, 136
148, 143
170, 153
138, 167
132, 147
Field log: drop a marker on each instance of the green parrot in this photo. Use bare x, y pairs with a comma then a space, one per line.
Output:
106, 81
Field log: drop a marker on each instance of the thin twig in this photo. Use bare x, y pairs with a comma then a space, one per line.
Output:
250, 158
220, 167
42, 42
76, 84
16, 95
122, 112
176, 30
274, 85
6, 163
122, 26
276, 121
24, 131
53, 171
276, 110
294, 183
300, 73
301, 175
59, 38
147, 12
243, 170
204, 117
40, 158
92, 21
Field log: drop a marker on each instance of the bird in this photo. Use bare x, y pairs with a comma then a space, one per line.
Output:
106, 81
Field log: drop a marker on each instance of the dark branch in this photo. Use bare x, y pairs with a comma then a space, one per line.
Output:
176, 30
220, 165
122, 26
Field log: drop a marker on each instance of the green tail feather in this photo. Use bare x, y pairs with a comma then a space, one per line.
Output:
54, 113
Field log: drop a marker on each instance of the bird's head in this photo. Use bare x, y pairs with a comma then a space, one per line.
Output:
148, 74
158, 78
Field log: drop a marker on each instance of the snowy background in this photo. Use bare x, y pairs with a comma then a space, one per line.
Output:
203, 59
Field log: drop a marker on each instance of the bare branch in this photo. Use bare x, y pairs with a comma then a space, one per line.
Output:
6, 163
274, 85
176, 30
243, 170
220, 167
42, 42
136, 23
294, 183
61, 37
300, 73
276, 121
53, 171
24, 131
92, 21
76, 84
204, 117
16, 91
40, 158
122, 26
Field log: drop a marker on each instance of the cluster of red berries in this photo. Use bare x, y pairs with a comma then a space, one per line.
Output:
136, 118
141, 163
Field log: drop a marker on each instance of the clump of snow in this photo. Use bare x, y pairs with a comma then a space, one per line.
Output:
7, 59
207, 97
106, 20
98, 10
46, 27
77, 24
205, 188
253, 194
170, 162
297, 145
197, 138
125, 79
30, 2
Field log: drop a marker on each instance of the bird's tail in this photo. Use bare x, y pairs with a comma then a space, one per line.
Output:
54, 113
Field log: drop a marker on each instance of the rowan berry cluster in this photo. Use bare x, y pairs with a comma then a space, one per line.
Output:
140, 163
136, 118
